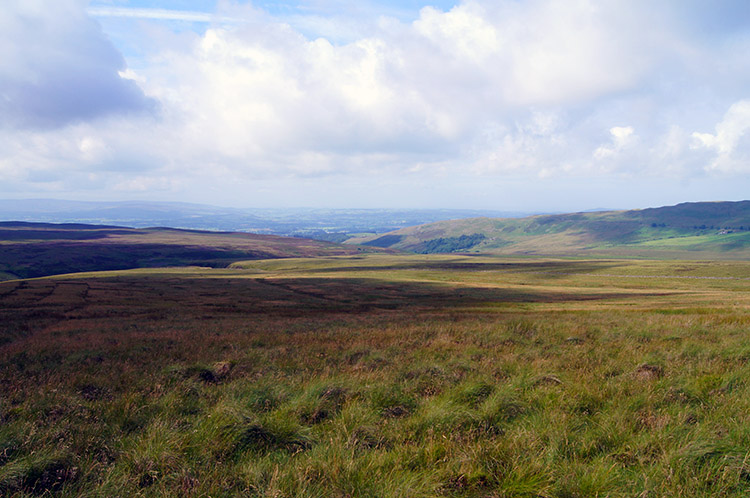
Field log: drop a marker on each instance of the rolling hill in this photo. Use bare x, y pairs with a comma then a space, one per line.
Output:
30, 250
689, 230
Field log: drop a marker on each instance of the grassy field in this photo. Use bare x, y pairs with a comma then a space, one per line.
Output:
379, 376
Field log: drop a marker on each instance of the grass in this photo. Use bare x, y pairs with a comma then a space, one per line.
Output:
686, 231
379, 376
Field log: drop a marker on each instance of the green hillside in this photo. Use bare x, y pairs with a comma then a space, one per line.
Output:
690, 230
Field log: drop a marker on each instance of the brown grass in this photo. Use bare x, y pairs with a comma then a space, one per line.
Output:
421, 380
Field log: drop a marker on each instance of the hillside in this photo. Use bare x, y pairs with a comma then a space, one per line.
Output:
689, 230
38, 249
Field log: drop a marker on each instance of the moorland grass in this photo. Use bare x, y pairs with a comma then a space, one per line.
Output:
378, 382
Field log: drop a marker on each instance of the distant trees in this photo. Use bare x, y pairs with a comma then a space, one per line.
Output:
451, 244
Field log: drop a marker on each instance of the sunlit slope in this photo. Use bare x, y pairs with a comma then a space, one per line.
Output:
706, 229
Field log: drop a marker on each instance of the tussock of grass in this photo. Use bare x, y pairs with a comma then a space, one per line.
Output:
38, 474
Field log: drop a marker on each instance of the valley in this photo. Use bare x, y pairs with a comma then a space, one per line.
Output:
161, 362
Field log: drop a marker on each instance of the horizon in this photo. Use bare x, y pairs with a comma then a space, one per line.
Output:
506, 213
514, 106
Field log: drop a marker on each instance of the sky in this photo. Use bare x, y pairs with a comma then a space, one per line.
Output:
525, 105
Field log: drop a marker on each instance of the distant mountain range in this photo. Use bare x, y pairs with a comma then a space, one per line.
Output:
334, 225
689, 230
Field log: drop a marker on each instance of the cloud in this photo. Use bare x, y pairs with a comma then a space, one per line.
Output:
541, 52
58, 67
266, 96
731, 141
485, 89
622, 136
160, 14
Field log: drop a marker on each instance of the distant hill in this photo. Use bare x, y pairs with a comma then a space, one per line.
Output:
689, 230
39, 249
333, 225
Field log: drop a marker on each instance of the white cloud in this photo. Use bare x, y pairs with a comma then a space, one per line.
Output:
731, 141
92, 149
267, 96
488, 87
463, 32
534, 145
160, 14
622, 137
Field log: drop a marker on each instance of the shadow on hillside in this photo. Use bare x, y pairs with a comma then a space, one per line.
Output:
55, 258
366, 294
26, 305
551, 268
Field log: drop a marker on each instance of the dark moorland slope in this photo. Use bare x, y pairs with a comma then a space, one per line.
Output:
30, 250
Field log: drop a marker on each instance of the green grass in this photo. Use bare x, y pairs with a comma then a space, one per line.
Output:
711, 230
383, 376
